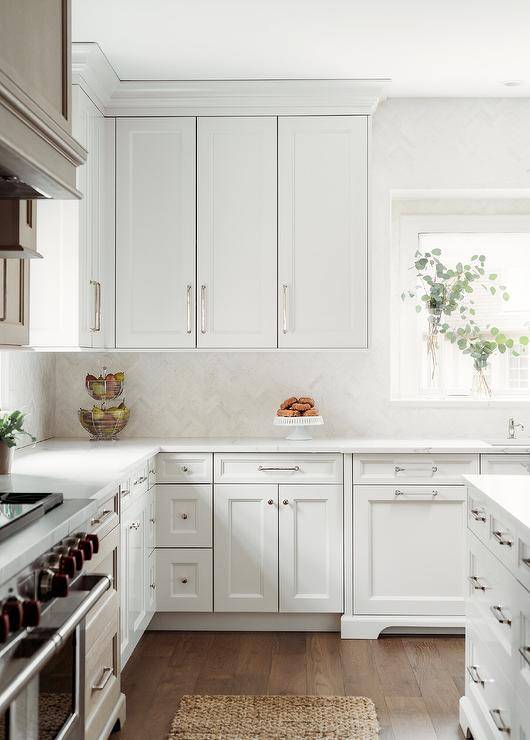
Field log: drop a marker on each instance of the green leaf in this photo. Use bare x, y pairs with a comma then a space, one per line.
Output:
493, 276
506, 296
494, 330
493, 290
418, 309
502, 348
475, 257
523, 341
437, 252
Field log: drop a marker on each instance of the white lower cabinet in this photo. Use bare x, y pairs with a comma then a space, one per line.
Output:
246, 548
507, 464
137, 601
183, 580
310, 548
408, 555
150, 584
184, 515
254, 524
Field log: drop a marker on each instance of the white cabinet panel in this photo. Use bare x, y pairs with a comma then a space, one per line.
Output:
246, 548
310, 548
277, 467
184, 515
150, 519
150, 584
413, 469
409, 550
322, 229
155, 232
133, 573
508, 464
236, 288
183, 580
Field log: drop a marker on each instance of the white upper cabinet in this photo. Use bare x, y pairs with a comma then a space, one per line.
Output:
72, 288
155, 232
322, 231
236, 288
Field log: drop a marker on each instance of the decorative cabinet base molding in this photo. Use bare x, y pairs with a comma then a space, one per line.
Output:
369, 627
246, 622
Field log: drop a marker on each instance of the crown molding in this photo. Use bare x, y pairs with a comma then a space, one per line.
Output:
115, 97
93, 72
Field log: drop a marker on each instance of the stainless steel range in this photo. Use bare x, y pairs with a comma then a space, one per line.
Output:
42, 629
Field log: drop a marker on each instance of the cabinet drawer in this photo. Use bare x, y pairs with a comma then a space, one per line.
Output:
183, 515
104, 562
413, 468
177, 467
278, 468
508, 464
151, 471
102, 682
523, 562
477, 514
184, 580
106, 517
488, 689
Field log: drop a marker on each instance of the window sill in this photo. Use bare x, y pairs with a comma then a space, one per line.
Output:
463, 402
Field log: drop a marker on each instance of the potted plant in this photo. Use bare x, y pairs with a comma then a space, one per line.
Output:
11, 429
444, 291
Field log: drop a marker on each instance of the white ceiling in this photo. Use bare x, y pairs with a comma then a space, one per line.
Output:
427, 47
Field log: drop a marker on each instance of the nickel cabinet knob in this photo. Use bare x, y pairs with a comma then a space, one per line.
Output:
184, 468
285, 502
183, 515
270, 502
184, 580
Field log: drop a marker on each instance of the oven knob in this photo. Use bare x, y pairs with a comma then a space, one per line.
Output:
67, 565
13, 609
94, 539
52, 585
30, 613
87, 549
4, 627
78, 557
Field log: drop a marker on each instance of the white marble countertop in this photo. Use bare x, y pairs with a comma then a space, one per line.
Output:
511, 493
83, 469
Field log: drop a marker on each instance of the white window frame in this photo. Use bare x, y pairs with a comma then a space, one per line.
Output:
405, 342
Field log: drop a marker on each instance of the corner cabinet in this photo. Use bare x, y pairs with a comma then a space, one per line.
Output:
155, 233
322, 231
72, 288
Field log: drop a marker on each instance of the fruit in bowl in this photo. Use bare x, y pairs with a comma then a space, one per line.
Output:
104, 423
105, 388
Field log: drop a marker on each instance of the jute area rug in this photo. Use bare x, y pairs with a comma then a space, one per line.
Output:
274, 718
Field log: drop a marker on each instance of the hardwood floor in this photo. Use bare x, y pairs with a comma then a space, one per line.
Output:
415, 681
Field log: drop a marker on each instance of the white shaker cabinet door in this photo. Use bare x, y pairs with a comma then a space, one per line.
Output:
237, 263
310, 548
246, 548
409, 549
322, 231
155, 232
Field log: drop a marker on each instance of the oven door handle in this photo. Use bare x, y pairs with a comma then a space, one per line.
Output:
17, 683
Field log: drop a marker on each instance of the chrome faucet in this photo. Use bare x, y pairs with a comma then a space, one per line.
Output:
513, 426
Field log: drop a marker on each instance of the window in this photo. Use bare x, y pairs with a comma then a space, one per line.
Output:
505, 243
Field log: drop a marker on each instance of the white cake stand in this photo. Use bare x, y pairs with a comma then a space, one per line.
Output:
298, 425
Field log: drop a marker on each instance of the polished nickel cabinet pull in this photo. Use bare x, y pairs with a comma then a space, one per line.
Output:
525, 652
101, 517
97, 306
265, 469
500, 724
500, 615
502, 538
478, 583
398, 492
479, 515
188, 310
203, 309
398, 469
103, 681
285, 288
475, 675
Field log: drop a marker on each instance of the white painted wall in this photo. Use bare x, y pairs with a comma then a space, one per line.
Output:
418, 144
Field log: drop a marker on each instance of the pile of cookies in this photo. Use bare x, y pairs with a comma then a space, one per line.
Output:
303, 406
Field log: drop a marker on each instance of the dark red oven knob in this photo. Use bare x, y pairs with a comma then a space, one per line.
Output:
30, 613
67, 565
85, 545
94, 539
13, 608
78, 557
52, 585
4, 627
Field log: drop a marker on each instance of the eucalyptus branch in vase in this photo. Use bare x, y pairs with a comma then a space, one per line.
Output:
481, 345
444, 292
11, 430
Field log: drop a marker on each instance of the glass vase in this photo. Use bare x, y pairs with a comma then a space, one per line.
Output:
480, 388
433, 332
